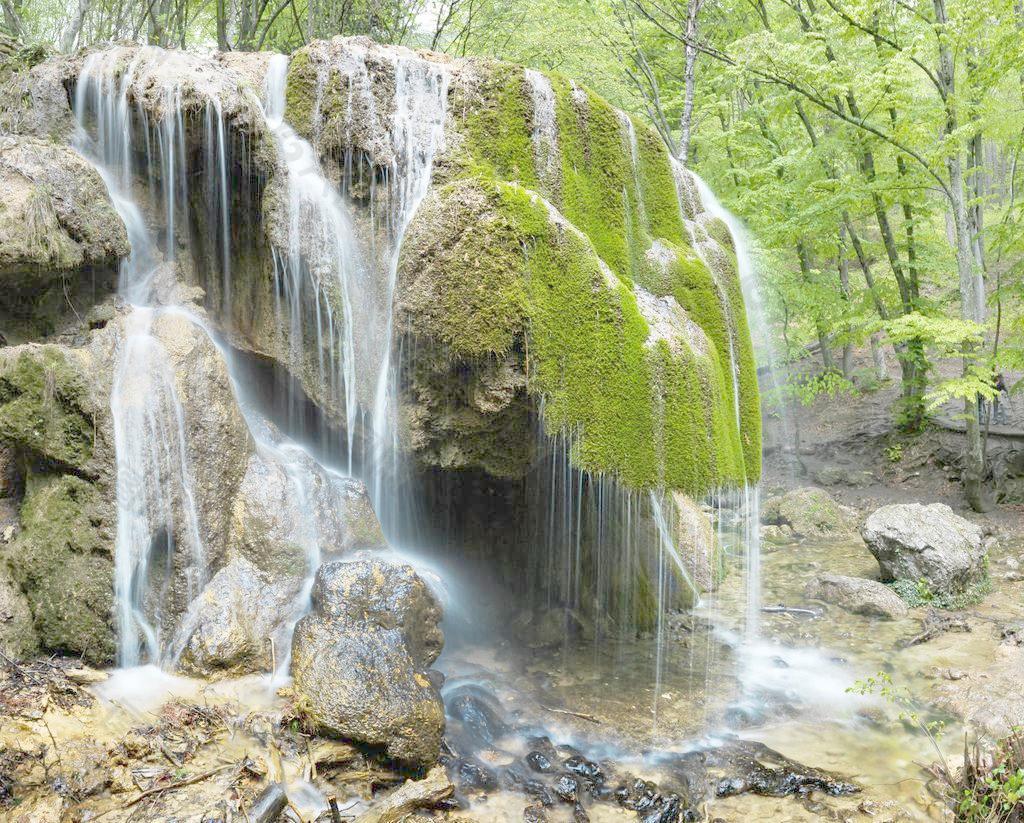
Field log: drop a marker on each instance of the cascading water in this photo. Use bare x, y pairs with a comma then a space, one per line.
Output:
158, 543
768, 359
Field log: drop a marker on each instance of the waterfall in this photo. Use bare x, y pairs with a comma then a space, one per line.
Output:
757, 318
544, 134
158, 542
326, 254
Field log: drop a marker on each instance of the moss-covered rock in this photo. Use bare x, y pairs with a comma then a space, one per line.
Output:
490, 270
56, 431
62, 560
45, 410
18, 638
810, 512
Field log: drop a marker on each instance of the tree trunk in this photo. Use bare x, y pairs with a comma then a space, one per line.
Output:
878, 357
690, 50
972, 286
844, 288
74, 28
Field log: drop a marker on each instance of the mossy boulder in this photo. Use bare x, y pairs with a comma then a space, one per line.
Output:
491, 273
55, 425
526, 277
62, 560
18, 638
810, 512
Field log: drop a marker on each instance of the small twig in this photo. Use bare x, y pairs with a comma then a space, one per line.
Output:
588, 717
176, 785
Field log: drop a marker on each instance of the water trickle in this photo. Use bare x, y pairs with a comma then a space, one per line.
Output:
544, 134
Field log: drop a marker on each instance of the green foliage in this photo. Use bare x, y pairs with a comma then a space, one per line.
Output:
809, 387
916, 594
909, 710
990, 786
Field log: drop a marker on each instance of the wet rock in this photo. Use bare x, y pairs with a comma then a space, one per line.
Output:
60, 237
810, 512
359, 659
470, 774
697, 543
286, 501
479, 718
237, 623
539, 763
913, 542
514, 779
754, 767
858, 595
535, 814
567, 788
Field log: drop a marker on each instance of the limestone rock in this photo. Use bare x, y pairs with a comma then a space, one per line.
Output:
360, 658
931, 543
810, 512
60, 237
54, 421
697, 543
232, 623
33, 99
858, 595
287, 502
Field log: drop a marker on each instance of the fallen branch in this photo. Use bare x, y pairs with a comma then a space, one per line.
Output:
413, 795
588, 717
176, 785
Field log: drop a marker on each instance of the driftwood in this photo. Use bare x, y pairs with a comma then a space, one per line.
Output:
177, 785
415, 794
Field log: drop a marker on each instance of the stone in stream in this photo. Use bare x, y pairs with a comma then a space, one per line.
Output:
931, 543
858, 595
360, 659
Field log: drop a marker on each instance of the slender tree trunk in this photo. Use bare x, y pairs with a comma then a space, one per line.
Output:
12, 19
74, 28
690, 51
823, 341
844, 288
878, 357
972, 286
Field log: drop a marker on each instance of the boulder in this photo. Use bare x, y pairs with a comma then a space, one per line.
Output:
238, 623
360, 658
810, 512
858, 595
931, 543
287, 501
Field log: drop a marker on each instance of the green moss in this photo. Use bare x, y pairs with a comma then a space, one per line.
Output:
916, 594
621, 199
61, 559
301, 93
489, 266
497, 125
42, 406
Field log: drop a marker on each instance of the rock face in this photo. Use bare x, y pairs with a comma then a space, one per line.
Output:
930, 543
360, 658
857, 595
60, 237
810, 512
